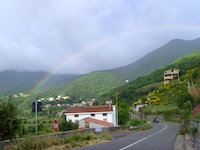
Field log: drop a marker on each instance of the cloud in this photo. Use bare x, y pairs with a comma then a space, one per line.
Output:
86, 35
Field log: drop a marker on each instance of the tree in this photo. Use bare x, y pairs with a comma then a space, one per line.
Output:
65, 125
9, 122
123, 113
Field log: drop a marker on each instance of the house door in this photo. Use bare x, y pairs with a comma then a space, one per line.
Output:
87, 124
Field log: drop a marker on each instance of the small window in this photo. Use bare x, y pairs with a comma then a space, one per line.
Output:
104, 114
92, 115
75, 115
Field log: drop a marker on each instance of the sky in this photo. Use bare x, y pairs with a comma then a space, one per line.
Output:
80, 36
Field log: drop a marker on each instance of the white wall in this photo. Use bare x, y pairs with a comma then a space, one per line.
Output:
111, 116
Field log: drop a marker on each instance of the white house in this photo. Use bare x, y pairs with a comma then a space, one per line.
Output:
50, 99
136, 107
101, 113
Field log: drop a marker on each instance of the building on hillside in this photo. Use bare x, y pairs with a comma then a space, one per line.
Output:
47, 105
50, 99
59, 98
109, 102
136, 107
66, 97
91, 102
170, 74
106, 114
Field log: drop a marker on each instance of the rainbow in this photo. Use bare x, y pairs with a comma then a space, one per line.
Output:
36, 88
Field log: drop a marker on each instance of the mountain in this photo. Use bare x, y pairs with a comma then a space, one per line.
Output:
140, 88
160, 57
88, 84
98, 83
14, 81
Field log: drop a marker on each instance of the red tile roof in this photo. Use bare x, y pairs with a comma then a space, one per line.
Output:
89, 109
101, 122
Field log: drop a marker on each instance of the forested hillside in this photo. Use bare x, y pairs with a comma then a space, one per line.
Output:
95, 84
12, 82
156, 59
92, 85
142, 86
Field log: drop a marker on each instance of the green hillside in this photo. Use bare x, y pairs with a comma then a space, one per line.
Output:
95, 84
92, 85
98, 83
12, 82
156, 59
142, 86
176, 98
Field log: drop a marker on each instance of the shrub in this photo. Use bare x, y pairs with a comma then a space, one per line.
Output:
136, 122
9, 122
193, 131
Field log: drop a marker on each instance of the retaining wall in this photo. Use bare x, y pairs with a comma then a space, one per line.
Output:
72, 132
195, 138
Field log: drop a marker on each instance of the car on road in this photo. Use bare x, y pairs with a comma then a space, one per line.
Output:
156, 120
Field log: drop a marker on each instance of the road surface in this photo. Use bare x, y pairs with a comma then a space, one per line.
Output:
161, 136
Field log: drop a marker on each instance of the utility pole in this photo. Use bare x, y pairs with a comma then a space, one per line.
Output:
178, 77
36, 121
189, 86
150, 98
116, 107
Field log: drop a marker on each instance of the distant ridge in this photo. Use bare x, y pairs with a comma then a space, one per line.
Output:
162, 56
12, 81
97, 83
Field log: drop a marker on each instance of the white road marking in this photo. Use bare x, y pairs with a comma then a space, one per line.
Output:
165, 127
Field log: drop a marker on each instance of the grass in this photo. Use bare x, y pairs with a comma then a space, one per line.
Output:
77, 140
143, 124
146, 126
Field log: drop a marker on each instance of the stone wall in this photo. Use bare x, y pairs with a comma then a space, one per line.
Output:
195, 138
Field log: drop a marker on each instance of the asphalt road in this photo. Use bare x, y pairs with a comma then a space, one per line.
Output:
161, 136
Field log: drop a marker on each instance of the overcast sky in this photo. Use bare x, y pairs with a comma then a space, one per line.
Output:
80, 36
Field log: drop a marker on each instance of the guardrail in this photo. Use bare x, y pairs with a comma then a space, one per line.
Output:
66, 134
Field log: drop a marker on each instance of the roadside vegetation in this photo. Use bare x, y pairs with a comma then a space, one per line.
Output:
142, 124
77, 140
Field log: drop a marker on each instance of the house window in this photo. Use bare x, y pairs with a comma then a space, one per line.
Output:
75, 115
92, 115
104, 114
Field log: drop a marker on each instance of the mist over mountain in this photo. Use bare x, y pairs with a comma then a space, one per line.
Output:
12, 81
98, 82
158, 58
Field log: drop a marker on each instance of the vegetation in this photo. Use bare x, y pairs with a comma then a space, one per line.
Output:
10, 123
67, 125
143, 124
123, 113
91, 86
72, 141
141, 87
96, 84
